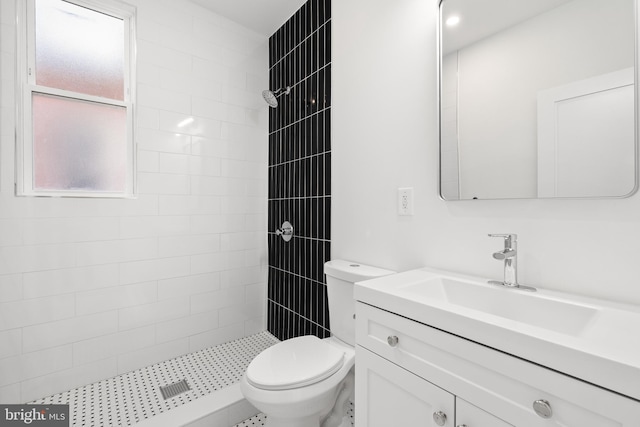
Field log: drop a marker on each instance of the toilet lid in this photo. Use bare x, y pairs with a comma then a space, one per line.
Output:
294, 363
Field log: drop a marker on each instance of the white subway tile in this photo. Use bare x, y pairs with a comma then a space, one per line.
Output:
209, 186
255, 257
156, 269
57, 282
210, 70
157, 140
115, 298
237, 168
255, 325
242, 312
206, 87
107, 252
216, 336
147, 117
211, 109
189, 285
217, 224
149, 226
177, 123
163, 99
243, 276
174, 163
216, 147
147, 356
19, 259
62, 230
11, 287
209, 301
11, 394
175, 80
236, 133
35, 364
189, 205
68, 331
155, 54
156, 183
10, 343
255, 222
149, 74
243, 240
256, 293
11, 231
148, 314
187, 326
22, 313
207, 263
208, 166
170, 14
242, 205
108, 346
148, 161
67, 379
189, 245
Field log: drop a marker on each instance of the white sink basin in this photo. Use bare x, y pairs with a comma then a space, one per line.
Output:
596, 341
556, 315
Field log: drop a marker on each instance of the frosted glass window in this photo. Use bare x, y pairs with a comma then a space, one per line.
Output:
76, 66
78, 145
79, 49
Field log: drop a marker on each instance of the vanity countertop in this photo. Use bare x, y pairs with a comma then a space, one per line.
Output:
593, 340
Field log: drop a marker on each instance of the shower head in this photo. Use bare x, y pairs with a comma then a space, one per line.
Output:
272, 97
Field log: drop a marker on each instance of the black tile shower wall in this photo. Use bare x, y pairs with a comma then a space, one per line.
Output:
300, 172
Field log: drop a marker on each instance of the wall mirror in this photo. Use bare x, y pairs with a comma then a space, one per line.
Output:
537, 99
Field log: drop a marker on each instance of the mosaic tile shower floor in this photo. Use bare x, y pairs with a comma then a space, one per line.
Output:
129, 398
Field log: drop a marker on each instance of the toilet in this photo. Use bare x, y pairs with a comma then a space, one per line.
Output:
307, 381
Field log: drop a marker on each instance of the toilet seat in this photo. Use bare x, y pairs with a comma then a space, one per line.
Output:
294, 363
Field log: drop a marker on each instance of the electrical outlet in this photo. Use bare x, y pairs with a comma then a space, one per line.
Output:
405, 201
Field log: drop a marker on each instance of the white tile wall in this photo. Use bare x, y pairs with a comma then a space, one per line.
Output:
92, 288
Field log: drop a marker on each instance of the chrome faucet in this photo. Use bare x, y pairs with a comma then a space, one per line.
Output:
510, 256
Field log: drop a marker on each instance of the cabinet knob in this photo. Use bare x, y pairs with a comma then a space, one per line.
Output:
440, 418
543, 408
392, 340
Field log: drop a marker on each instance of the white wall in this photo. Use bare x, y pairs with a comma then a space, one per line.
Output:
93, 288
385, 136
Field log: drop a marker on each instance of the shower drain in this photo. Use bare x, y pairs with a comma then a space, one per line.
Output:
171, 390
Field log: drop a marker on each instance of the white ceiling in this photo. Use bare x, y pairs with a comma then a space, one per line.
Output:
481, 19
262, 16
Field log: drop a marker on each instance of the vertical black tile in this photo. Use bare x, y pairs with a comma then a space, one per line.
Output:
299, 173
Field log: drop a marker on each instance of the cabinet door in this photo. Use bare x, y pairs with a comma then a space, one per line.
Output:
468, 415
388, 395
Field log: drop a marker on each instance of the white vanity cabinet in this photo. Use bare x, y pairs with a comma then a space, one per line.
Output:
407, 371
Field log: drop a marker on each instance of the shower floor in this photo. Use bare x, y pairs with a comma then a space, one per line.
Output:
135, 396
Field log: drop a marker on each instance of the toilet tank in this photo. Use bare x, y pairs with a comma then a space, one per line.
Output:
341, 276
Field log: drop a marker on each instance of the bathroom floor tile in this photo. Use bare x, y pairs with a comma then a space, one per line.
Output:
129, 398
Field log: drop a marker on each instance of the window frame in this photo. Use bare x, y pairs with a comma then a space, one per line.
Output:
27, 87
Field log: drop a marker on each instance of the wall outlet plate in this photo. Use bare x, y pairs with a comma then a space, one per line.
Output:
405, 201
